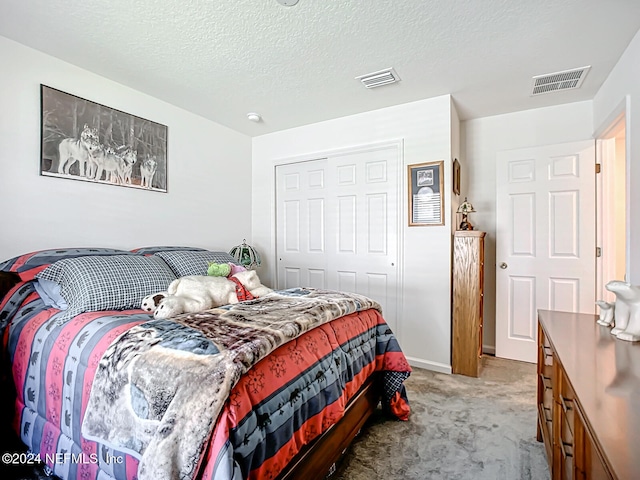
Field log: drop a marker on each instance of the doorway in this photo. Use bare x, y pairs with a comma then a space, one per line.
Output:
611, 195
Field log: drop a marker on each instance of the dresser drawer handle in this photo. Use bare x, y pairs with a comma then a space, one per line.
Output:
547, 352
564, 401
564, 446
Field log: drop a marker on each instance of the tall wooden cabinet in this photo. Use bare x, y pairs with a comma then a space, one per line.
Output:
468, 293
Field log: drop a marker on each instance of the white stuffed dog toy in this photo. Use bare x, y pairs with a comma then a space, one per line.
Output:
211, 291
151, 302
250, 280
173, 305
195, 293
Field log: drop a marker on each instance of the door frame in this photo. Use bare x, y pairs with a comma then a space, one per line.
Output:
619, 114
398, 146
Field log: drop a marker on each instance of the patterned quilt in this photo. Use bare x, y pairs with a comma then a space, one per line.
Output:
167, 424
282, 403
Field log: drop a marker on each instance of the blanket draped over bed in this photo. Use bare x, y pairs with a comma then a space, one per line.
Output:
199, 357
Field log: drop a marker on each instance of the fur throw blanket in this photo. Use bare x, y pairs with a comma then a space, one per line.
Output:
161, 385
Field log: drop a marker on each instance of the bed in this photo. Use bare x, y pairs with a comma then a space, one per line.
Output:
274, 387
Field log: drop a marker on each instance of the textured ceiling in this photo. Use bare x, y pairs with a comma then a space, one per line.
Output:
296, 65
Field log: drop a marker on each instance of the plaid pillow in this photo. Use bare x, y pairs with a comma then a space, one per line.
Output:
29, 264
116, 282
166, 248
193, 263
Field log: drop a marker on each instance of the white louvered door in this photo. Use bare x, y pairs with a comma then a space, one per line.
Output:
337, 225
545, 240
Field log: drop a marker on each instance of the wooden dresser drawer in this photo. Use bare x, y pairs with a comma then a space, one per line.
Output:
546, 356
566, 398
547, 401
545, 394
567, 448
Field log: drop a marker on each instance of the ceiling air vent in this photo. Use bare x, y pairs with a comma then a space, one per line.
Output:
379, 78
554, 82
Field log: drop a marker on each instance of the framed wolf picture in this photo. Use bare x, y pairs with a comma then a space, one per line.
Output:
84, 140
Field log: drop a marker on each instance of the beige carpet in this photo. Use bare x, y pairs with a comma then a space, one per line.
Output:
460, 428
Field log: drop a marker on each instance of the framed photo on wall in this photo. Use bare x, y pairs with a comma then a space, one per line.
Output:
426, 195
84, 140
456, 176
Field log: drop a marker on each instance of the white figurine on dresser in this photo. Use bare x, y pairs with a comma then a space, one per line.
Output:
624, 313
606, 313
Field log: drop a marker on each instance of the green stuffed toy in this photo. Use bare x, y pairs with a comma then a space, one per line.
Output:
218, 269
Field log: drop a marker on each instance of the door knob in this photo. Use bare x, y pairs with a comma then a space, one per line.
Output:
503, 265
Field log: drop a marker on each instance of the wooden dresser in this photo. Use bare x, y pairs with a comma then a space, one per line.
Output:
468, 294
588, 398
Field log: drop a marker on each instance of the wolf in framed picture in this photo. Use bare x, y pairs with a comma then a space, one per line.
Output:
84, 140
271, 385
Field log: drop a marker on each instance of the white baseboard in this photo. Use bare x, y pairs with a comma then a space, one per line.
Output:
428, 365
490, 349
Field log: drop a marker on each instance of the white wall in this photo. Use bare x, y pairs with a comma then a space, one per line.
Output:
456, 146
209, 199
482, 139
424, 325
624, 81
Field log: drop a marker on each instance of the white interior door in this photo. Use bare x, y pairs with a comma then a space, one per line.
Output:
545, 240
337, 225
302, 195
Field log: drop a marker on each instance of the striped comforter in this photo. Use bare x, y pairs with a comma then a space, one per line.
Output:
281, 404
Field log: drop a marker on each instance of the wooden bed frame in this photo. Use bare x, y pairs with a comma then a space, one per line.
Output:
317, 460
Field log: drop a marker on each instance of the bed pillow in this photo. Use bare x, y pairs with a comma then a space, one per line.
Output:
193, 263
165, 248
116, 282
29, 264
50, 294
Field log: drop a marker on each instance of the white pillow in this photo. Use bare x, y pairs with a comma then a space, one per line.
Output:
49, 292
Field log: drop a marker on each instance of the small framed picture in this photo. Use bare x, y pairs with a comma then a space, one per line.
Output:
425, 178
456, 176
426, 196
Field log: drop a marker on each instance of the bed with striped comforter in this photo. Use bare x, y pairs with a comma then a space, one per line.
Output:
282, 402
